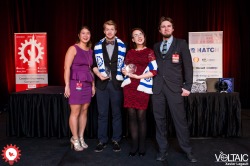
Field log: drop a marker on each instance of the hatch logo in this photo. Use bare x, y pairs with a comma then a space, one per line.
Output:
232, 159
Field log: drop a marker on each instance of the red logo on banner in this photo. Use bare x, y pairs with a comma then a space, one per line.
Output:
11, 154
31, 52
31, 60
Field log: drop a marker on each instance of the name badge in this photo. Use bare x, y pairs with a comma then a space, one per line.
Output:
175, 58
79, 86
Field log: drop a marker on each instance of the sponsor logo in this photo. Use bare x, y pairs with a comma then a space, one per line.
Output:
232, 159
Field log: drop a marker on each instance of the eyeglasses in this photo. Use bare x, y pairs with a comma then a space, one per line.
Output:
137, 35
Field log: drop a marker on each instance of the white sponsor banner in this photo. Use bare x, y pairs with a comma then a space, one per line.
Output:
206, 52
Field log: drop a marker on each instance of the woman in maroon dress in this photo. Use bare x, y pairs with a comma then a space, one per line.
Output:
79, 86
135, 100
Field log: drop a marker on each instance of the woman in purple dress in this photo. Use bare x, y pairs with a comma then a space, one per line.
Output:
79, 86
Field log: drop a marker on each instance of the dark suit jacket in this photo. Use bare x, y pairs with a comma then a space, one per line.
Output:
175, 75
112, 64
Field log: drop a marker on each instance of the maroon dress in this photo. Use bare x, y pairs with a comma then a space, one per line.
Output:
80, 72
132, 97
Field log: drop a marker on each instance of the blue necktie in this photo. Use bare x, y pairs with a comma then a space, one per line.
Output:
164, 48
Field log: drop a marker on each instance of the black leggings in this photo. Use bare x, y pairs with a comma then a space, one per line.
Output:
137, 126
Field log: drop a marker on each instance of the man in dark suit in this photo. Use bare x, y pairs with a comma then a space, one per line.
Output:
173, 81
108, 59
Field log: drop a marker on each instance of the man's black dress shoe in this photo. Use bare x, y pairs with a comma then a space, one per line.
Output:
161, 156
141, 154
191, 157
131, 154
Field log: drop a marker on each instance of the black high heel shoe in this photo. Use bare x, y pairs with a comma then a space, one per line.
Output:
131, 154
141, 154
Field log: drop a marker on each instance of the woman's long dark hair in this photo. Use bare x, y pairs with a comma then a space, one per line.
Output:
89, 44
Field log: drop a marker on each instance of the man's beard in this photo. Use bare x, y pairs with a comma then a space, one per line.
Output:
167, 36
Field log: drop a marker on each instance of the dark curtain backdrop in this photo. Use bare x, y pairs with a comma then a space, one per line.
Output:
62, 19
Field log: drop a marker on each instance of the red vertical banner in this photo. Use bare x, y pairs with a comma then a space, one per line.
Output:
31, 60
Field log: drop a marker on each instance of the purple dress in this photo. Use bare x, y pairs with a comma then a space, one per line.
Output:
80, 72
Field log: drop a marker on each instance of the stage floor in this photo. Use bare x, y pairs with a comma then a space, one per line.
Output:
54, 151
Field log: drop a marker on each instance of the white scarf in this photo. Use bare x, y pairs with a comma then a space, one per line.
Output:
120, 61
145, 84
